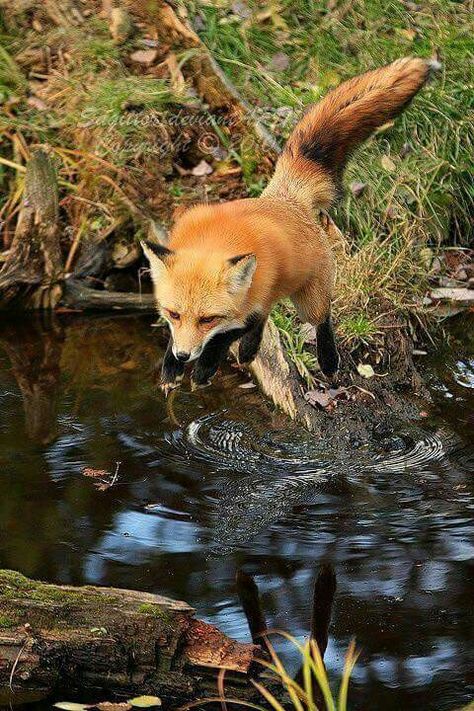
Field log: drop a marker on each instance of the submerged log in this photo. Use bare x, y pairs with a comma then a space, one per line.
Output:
109, 640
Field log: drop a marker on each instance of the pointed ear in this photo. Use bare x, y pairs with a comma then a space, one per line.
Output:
153, 249
240, 272
157, 255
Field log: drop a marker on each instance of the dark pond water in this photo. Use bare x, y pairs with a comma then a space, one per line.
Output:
214, 482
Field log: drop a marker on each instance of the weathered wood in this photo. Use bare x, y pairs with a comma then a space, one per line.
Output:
79, 296
460, 295
119, 641
34, 262
279, 379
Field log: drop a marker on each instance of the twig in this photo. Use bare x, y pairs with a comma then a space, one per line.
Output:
15, 664
115, 476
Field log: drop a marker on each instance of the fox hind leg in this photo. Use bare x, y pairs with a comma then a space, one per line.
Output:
328, 356
313, 304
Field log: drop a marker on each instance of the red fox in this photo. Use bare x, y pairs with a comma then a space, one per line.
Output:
227, 264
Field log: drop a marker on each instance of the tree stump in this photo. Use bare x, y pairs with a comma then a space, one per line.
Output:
33, 266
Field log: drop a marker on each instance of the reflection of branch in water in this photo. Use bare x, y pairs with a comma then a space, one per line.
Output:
35, 353
321, 610
170, 408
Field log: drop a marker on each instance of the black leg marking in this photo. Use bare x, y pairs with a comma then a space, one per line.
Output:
212, 356
250, 342
328, 356
172, 370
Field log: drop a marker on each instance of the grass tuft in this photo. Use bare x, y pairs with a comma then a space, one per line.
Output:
312, 693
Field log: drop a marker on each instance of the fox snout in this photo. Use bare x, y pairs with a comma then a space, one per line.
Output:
186, 356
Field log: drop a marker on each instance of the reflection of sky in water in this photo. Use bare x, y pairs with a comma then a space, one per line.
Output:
464, 373
193, 504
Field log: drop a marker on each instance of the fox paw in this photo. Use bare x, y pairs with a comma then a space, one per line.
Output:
199, 386
167, 387
203, 375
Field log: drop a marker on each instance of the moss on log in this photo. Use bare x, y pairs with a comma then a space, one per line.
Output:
117, 641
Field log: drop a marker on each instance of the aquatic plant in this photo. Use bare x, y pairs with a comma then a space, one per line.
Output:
310, 690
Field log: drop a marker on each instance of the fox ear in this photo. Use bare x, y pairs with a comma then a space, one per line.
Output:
157, 255
153, 250
241, 271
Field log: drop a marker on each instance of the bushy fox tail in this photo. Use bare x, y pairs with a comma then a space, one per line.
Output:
311, 165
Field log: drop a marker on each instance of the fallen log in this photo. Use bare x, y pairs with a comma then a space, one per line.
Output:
77, 295
106, 640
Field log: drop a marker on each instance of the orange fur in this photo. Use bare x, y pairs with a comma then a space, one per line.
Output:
293, 252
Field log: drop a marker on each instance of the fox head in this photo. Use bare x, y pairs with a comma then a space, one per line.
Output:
199, 294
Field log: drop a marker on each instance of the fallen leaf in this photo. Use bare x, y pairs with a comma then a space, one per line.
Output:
241, 9
357, 188
279, 62
247, 386
202, 168
145, 702
366, 370
71, 706
129, 365
96, 473
144, 56
36, 103
110, 706
318, 398
388, 164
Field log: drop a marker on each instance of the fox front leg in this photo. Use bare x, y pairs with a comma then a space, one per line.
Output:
212, 356
172, 370
250, 342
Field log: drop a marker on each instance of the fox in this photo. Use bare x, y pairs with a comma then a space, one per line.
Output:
225, 265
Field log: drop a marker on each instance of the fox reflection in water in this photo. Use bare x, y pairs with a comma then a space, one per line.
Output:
320, 618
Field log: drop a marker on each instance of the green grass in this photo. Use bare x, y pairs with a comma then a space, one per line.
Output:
357, 326
427, 197
290, 331
301, 695
12, 80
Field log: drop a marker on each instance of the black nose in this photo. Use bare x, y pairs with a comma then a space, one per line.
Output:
182, 356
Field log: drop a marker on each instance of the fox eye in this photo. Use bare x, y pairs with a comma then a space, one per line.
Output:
174, 315
208, 319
